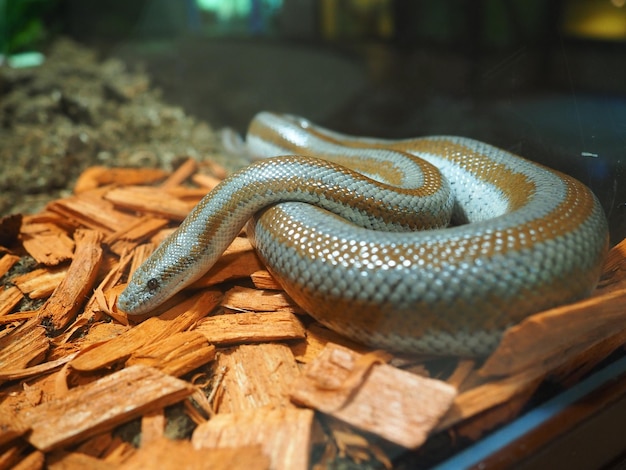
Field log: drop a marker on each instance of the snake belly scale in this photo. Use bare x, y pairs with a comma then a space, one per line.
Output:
357, 232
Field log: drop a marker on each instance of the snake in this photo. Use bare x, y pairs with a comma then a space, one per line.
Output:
431, 245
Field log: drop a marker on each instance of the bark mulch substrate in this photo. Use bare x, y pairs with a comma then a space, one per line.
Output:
75, 111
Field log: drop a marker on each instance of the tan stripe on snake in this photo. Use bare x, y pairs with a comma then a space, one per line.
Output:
383, 268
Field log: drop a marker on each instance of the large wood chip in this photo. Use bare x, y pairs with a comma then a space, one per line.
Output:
164, 454
256, 375
110, 401
285, 434
553, 333
397, 405
69, 296
251, 327
150, 331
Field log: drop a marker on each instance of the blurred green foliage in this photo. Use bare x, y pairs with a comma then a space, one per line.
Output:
23, 24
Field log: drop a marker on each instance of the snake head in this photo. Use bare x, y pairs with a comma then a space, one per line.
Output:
143, 293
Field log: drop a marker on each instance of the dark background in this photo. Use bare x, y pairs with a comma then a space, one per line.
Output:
545, 79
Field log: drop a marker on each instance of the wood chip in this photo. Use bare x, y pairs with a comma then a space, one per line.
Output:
397, 405
7, 261
107, 447
98, 302
63, 305
90, 210
317, 337
182, 173
614, 271
17, 317
170, 455
462, 371
153, 426
256, 375
477, 425
138, 231
206, 181
47, 243
150, 331
244, 395
247, 299
251, 327
140, 254
11, 456
22, 373
40, 283
25, 345
32, 461
34, 222
76, 460
238, 261
573, 370
490, 395
284, 434
552, 333
149, 200
262, 279
175, 355
97, 176
9, 298
213, 168
11, 427
101, 405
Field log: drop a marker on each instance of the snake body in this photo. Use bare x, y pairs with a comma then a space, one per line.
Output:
356, 231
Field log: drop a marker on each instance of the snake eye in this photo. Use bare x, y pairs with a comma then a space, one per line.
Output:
153, 284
